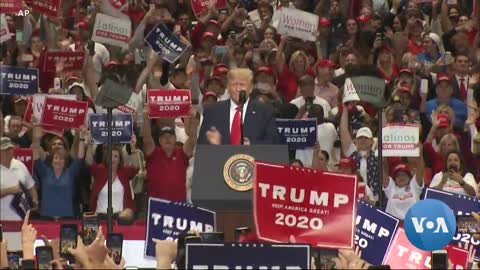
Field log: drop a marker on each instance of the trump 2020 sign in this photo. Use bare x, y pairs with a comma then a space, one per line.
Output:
312, 206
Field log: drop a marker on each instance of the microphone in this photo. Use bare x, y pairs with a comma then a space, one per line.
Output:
243, 97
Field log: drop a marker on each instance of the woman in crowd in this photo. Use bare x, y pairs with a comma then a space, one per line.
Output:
122, 201
404, 188
57, 173
453, 178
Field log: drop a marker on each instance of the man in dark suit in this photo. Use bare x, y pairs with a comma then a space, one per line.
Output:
461, 78
221, 120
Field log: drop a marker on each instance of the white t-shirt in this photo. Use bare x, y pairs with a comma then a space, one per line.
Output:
401, 199
326, 137
117, 197
453, 186
300, 101
10, 178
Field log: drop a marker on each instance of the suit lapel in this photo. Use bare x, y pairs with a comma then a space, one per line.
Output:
224, 128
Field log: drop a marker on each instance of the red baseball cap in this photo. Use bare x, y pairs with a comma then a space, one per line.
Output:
208, 35
443, 120
112, 63
403, 89
71, 76
220, 69
265, 69
363, 19
214, 22
443, 78
346, 163
401, 168
209, 94
324, 22
406, 70
326, 63
83, 25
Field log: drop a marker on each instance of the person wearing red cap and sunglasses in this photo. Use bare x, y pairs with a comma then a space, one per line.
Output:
404, 188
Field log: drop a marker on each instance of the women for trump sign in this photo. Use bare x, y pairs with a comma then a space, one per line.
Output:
314, 207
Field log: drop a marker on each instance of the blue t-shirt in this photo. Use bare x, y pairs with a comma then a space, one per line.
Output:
57, 193
459, 107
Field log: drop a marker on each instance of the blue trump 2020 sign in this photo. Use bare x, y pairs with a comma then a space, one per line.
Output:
375, 230
164, 42
297, 133
122, 128
18, 81
167, 220
247, 256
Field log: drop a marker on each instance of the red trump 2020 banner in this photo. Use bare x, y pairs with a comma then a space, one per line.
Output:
64, 113
314, 207
25, 155
169, 103
71, 60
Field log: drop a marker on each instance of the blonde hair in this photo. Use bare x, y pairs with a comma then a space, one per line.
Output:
451, 138
241, 73
294, 56
450, 115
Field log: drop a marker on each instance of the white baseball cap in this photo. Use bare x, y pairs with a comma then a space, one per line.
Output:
364, 132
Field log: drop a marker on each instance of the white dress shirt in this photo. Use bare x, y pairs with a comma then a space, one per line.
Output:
233, 110
300, 101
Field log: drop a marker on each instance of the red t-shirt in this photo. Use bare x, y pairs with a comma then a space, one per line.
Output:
435, 158
414, 48
124, 174
287, 84
166, 176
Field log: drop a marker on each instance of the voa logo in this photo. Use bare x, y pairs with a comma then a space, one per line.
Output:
430, 224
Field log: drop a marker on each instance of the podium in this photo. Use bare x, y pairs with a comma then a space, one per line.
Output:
223, 177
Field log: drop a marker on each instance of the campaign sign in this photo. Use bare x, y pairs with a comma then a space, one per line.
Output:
315, 207
64, 113
18, 81
247, 256
24, 155
4, 31
458, 257
169, 104
167, 220
115, 8
51, 8
461, 205
297, 23
112, 31
11, 6
403, 255
400, 140
374, 232
297, 133
164, 42
71, 60
200, 7
122, 128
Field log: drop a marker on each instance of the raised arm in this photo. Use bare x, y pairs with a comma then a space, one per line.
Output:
135, 155
148, 143
152, 61
81, 144
89, 75
345, 136
418, 165
385, 176
37, 150
191, 128
280, 60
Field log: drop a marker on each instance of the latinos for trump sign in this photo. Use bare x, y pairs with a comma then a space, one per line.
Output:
18, 81
199, 7
461, 205
112, 31
374, 232
64, 113
71, 60
403, 255
313, 206
25, 155
164, 42
169, 103
11, 6
122, 128
51, 8
167, 220
297, 133
400, 140
297, 23
247, 256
